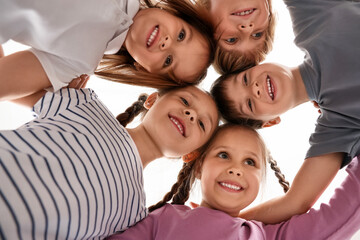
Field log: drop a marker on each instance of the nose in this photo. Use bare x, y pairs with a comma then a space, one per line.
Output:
190, 114
256, 89
246, 27
165, 43
235, 171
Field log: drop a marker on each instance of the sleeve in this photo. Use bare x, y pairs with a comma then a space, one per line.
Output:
339, 219
144, 230
60, 70
308, 16
334, 139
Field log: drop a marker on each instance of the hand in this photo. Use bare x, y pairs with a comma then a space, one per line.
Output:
79, 82
316, 105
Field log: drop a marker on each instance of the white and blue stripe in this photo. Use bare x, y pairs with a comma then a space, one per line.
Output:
72, 173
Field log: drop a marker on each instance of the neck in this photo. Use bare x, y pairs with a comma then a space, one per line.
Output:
301, 95
145, 144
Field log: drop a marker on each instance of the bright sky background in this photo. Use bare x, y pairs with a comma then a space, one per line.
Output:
288, 141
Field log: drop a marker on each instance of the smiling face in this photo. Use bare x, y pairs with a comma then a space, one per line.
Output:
263, 92
232, 170
181, 121
240, 24
162, 43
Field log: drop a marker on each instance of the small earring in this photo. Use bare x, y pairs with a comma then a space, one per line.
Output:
190, 156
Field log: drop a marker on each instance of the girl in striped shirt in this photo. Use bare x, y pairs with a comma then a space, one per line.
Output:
75, 172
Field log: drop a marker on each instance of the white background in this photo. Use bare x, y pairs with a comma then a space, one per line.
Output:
288, 141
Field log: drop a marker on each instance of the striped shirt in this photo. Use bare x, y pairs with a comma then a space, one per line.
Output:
72, 173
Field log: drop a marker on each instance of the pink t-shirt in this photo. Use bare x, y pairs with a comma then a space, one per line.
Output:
339, 219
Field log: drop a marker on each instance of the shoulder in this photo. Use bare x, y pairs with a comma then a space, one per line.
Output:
55, 102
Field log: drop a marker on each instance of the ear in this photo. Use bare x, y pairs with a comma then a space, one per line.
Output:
271, 122
150, 100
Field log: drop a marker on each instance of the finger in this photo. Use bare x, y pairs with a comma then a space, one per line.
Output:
74, 83
84, 79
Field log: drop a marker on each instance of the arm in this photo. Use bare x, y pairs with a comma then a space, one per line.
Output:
29, 101
1, 52
338, 219
312, 179
21, 74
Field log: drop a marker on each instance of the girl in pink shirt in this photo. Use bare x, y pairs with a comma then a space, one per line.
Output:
230, 170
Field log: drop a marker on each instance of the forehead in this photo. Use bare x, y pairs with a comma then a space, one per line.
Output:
192, 57
238, 137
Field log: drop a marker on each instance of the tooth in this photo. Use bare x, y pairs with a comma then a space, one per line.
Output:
152, 36
231, 186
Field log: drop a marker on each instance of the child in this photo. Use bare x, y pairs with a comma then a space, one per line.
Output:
172, 39
75, 172
230, 171
244, 31
329, 75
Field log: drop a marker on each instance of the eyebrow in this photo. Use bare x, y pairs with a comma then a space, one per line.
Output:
190, 33
240, 107
207, 114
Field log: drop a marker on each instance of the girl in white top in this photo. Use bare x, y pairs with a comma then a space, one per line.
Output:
76, 173
160, 45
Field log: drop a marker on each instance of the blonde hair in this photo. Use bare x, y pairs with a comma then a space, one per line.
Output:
180, 191
121, 67
231, 61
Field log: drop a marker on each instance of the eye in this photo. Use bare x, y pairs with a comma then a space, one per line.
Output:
250, 162
250, 105
202, 125
181, 35
184, 101
245, 80
223, 155
168, 61
257, 35
231, 40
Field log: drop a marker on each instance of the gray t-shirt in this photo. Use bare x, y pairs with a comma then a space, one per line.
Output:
329, 33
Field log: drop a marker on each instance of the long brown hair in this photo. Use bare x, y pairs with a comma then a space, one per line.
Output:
121, 67
180, 191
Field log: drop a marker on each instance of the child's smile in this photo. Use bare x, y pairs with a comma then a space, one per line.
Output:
178, 123
231, 186
244, 13
153, 36
163, 43
231, 172
185, 119
262, 92
240, 24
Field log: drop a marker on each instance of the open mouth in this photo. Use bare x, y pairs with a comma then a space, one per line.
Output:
151, 39
270, 87
231, 186
178, 124
244, 12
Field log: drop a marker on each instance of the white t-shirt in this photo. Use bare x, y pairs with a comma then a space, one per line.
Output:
72, 173
69, 37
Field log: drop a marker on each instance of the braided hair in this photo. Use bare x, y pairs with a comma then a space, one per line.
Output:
134, 110
180, 191
273, 165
